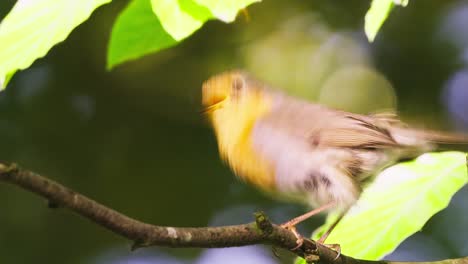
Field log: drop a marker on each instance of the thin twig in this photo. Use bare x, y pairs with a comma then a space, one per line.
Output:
262, 231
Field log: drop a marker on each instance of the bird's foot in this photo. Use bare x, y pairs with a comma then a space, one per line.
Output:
334, 247
299, 237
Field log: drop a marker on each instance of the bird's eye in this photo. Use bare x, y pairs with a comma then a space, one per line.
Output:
237, 84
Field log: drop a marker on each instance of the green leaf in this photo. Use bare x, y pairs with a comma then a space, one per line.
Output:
136, 32
226, 10
398, 203
376, 16
180, 18
32, 28
4, 80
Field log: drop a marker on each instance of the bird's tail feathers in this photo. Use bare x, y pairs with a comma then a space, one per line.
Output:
406, 136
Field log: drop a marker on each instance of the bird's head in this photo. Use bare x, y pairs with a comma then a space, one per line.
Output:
232, 89
234, 103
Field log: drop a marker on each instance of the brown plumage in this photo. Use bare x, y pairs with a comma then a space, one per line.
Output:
305, 151
268, 127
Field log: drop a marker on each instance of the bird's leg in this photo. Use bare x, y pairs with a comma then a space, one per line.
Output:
324, 236
307, 215
330, 229
291, 224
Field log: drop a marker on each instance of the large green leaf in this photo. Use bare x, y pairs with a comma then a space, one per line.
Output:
397, 204
377, 14
136, 32
147, 26
181, 18
32, 28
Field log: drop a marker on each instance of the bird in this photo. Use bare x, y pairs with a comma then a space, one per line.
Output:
305, 152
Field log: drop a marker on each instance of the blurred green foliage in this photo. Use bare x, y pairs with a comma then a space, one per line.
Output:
143, 27
31, 29
133, 138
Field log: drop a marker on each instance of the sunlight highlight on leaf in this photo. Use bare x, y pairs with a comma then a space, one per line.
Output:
180, 18
376, 16
147, 26
32, 28
398, 204
226, 10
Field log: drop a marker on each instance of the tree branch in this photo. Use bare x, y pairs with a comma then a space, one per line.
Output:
262, 231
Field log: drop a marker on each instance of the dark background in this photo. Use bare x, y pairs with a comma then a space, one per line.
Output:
134, 139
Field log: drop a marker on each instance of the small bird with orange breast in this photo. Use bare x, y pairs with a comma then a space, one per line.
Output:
303, 151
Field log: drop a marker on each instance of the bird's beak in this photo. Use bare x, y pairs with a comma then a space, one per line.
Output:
213, 107
213, 97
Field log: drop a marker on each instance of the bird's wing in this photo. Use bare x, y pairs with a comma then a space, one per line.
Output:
325, 127
355, 131
322, 126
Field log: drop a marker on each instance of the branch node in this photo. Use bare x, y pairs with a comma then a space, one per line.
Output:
263, 223
7, 169
144, 235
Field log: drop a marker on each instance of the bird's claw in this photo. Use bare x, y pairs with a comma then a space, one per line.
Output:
300, 238
299, 242
334, 247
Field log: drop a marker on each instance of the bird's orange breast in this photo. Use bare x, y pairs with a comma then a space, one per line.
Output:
233, 127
